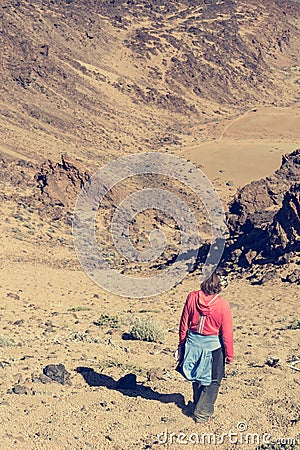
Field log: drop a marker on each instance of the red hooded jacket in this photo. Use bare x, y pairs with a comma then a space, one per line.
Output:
208, 315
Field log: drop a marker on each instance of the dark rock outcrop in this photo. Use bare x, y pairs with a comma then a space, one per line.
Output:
284, 231
257, 203
60, 183
20, 390
264, 219
58, 373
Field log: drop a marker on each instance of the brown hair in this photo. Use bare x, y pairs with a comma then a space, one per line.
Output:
212, 285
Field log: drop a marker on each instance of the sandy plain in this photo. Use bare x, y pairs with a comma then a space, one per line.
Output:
48, 310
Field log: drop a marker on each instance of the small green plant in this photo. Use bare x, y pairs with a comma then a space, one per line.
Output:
83, 337
104, 365
147, 330
78, 308
106, 320
295, 325
6, 342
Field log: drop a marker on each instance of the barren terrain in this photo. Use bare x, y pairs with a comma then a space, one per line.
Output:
84, 82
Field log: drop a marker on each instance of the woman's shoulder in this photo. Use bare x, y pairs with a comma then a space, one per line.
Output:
224, 302
193, 295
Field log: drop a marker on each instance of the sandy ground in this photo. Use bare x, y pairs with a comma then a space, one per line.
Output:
53, 416
47, 314
246, 148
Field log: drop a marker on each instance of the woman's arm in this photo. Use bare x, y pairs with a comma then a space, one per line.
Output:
226, 331
184, 321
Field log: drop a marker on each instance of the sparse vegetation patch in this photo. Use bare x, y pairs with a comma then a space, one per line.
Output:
147, 330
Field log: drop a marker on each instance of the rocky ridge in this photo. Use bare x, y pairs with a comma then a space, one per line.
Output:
264, 220
263, 217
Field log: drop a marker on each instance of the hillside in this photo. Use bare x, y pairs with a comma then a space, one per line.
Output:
97, 79
83, 82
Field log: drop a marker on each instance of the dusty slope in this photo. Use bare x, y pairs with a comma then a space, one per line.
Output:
97, 78
50, 319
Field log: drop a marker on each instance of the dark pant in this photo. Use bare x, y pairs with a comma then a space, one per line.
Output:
205, 396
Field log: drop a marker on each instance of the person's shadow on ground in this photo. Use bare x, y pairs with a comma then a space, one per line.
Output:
128, 386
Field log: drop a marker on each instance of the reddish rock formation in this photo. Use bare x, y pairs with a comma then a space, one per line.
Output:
60, 183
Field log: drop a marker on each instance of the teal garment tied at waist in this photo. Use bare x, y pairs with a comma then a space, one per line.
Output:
197, 362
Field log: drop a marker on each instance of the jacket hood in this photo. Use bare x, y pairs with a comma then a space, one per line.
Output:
206, 303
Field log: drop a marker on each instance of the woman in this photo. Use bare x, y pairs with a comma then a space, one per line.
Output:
205, 343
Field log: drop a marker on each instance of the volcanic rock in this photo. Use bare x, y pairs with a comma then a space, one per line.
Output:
60, 183
19, 389
285, 229
264, 218
257, 203
58, 373
294, 277
155, 374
